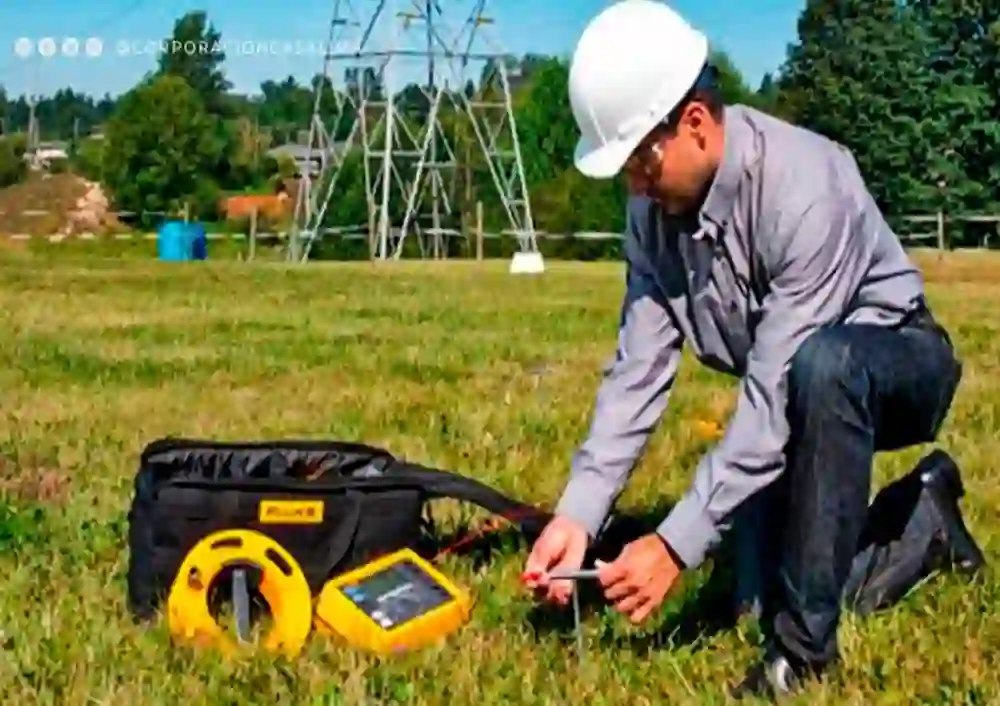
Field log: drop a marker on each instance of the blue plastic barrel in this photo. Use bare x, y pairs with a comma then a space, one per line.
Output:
179, 241
199, 241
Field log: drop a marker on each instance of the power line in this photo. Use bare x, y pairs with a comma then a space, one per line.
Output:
411, 169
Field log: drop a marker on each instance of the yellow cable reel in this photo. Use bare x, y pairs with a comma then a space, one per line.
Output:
282, 585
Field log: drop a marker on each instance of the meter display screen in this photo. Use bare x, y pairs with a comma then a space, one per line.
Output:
397, 594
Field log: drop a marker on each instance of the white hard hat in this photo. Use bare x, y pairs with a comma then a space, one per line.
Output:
633, 64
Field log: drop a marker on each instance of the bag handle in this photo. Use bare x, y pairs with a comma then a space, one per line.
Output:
444, 484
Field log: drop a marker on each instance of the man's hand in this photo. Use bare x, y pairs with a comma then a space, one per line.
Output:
561, 546
640, 578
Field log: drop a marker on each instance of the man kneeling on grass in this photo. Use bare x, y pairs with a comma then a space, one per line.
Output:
758, 244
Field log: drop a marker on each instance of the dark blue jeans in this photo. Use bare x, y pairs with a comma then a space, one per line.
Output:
853, 390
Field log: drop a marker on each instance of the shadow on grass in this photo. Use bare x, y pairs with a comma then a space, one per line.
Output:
705, 610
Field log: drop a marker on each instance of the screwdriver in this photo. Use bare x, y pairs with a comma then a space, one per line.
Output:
574, 576
578, 575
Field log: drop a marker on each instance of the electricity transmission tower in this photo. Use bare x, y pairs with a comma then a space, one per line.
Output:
417, 131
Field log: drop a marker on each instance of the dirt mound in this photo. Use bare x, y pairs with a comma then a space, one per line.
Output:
92, 213
56, 204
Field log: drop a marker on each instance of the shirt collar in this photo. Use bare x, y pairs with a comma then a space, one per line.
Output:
718, 205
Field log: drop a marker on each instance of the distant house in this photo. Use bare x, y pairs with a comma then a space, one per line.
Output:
46, 153
306, 161
272, 206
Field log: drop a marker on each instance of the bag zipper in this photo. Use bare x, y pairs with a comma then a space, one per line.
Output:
168, 444
303, 487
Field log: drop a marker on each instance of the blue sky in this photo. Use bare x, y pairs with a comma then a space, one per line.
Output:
754, 32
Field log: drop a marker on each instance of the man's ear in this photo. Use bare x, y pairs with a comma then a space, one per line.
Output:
696, 117
699, 122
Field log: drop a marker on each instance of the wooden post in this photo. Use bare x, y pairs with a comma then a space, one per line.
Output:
187, 212
253, 234
437, 226
479, 230
467, 164
940, 230
436, 218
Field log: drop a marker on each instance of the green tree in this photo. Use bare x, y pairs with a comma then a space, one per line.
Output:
62, 116
194, 53
963, 138
562, 200
162, 149
858, 76
767, 96
13, 168
732, 84
545, 126
913, 89
88, 159
285, 108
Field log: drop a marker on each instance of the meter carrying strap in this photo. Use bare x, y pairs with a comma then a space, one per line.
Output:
333, 505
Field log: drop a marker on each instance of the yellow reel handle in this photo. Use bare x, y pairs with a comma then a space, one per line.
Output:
283, 586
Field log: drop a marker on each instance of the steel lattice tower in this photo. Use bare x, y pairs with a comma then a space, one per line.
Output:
410, 166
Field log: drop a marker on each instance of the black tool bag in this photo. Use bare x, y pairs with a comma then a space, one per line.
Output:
372, 504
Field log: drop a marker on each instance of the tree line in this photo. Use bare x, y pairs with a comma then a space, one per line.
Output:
911, 86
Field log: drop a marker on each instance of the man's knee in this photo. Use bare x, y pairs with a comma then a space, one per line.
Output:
826, 363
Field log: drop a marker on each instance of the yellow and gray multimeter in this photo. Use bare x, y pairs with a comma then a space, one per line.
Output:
395, 603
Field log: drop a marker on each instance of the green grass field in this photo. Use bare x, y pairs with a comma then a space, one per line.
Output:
456, 365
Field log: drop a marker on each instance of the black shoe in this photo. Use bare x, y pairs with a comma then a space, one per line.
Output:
955, 548
774, 677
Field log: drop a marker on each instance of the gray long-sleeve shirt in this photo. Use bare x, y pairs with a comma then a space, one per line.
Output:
788, 240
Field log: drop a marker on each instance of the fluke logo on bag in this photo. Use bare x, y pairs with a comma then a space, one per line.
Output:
290, 512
